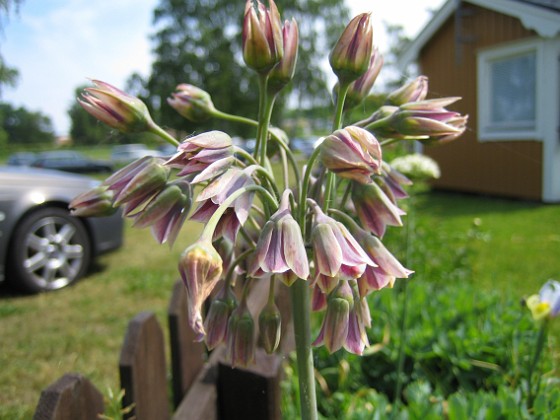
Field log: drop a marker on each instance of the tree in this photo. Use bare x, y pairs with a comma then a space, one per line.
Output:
200, 43
8, 75
23, 127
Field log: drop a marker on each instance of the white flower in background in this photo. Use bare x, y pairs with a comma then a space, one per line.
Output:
417, 166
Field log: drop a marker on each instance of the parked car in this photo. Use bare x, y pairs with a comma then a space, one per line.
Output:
305, 146
43, 247
126, 153
70, 161
21, 159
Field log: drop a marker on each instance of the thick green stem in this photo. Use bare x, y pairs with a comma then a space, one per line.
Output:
234, 118
539, 346
302, 332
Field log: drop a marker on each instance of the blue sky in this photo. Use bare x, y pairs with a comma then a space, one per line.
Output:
58, 44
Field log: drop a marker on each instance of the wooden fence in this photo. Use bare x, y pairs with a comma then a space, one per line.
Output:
204, 387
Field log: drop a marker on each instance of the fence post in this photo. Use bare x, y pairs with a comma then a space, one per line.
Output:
72, 397
187, 356
142, 369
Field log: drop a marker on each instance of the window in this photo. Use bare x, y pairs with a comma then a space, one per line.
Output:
508, 88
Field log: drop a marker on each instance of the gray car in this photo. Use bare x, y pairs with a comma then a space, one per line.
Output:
42, 247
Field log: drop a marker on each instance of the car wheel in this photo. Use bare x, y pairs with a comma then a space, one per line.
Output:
50, 250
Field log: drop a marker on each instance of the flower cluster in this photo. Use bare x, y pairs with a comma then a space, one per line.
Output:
323, 235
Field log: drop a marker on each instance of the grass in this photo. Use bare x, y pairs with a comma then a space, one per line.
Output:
81, 328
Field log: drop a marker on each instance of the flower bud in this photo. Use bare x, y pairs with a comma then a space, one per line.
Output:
360, 88
116, 108
270, 327
351, 55
240, 350
334, 330
192, 103
216, 322
95, 202
414, 91
262, 36
200, 267
283, 72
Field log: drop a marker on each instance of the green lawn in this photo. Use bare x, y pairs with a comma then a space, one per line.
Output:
81, 329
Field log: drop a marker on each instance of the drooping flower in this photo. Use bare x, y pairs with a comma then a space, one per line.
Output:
358, 320
262, 36
137, 182
393, 183
166, 212
270, 327
217, 192
352, 153
217, 319
547, 303
360, 88
240, 349
413, 91
283, 72
374, 209
336, 253
208, 155
93, 203
388, 267
200, 267
280, 247
192, 103
351, 55
116, 108
334, 329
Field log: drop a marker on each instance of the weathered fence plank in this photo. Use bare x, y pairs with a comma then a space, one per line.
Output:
252, 392
72, 397
187, 356
142, 369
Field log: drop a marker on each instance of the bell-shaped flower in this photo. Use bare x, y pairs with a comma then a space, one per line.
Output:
217, 192
200, 267
208, 155
166, 211
352, 153
413, 91
546, 304
96, 202
334, 330
262, 36
137, 182
350, 57
280, 247
240, 348
359, 319
270, 327
318, 299
426, 119
459, 122
359, 89
393, 183
116, 108
283, 72
374, 208
192, 103
388, 267
335, 251
217, 319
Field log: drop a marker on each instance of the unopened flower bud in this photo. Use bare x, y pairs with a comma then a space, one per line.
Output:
351, 55
240, 349
283, 72
192, 103
262, 36
413, 91
270, 327
116, 108
95, 202
200, 267
360, 88
216, 322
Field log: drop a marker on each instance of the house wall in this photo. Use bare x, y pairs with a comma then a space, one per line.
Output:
502, 168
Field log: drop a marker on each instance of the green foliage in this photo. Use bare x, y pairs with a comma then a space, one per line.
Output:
199, 43
21, 126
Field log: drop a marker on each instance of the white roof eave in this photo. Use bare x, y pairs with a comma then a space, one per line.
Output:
545, 22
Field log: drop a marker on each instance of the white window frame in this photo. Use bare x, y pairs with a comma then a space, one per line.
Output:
485, 58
